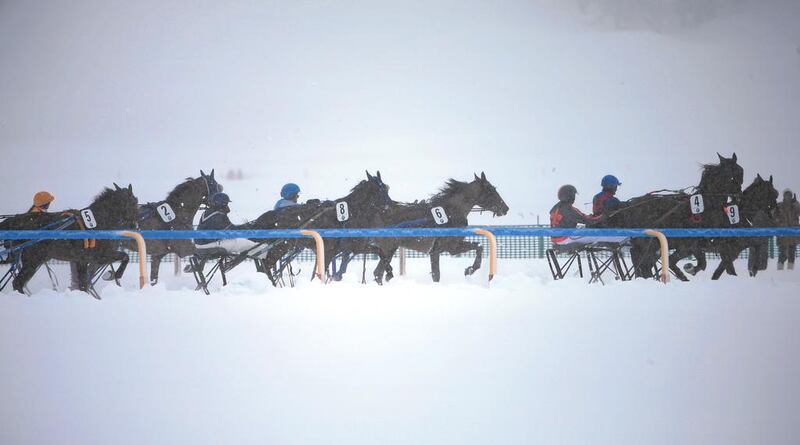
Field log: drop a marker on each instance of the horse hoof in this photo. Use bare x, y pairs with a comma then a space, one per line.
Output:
153, 282
389, 276
469, 271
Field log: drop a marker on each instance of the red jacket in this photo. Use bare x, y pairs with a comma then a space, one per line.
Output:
565, 216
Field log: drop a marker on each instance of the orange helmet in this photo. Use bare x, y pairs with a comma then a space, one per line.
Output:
42, 198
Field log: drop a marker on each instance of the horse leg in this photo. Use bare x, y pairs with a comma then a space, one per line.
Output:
702, 262
385, 253
343, 267
84, 282
478, 248
729, 268
435, 252
154, 265
643, 260
673, 265
718, 271
461, 246
124, 259
377, 274
330, 262
31, 261
388, 264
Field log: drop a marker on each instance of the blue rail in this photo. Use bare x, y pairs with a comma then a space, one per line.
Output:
395, 232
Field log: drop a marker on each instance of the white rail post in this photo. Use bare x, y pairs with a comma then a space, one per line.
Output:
402, 261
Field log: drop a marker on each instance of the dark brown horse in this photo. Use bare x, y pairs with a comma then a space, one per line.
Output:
718, 184
361, 208
112, 209
449, 208
175, 212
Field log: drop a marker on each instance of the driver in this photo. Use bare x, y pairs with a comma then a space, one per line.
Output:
216, 218
564, 215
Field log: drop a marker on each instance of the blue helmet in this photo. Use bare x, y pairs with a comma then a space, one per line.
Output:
289, 190
609, 181
219, 200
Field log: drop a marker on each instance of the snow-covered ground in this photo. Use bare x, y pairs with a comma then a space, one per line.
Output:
526, 360
531, 92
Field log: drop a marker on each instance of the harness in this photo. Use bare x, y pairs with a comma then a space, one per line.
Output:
87, 243
57, 225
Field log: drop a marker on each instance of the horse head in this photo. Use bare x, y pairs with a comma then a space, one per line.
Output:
761, 195
372, 191
488, 198
210, 186
725, 178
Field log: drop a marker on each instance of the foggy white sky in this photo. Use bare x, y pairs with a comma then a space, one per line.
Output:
315, 92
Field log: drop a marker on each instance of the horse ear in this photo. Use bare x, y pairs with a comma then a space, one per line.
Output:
733, 158
720, 157
770, 179
758, 176
483, 176
202, 174
116, 186
476, 176
379, 175
369, 176
130, 188
212, 173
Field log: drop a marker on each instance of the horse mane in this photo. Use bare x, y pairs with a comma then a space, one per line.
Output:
357, 186
180, 188
450, 188
104, 194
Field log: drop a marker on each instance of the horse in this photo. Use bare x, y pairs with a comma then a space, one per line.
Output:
758, 201
175, 212
115, 209
363, 207
448, 208
718, 183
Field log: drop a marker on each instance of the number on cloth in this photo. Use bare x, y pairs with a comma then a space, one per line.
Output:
165, 212
697, 204
439, 215
88, 219
342, 211
733, 214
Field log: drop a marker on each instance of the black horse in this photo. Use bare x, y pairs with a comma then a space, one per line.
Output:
115, 209
362, 208
449, 208
696, 209
176, 212
758, 201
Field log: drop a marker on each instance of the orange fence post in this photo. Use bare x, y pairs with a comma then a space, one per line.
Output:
142, 247
320, 252
492, 250
664, 247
